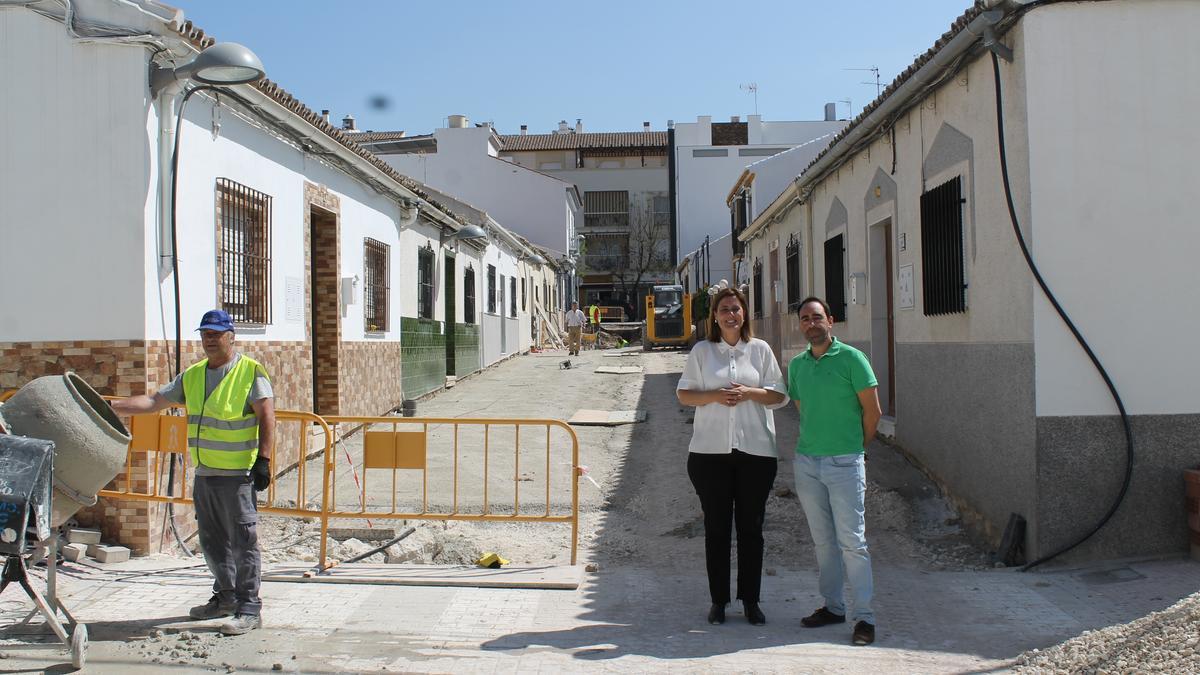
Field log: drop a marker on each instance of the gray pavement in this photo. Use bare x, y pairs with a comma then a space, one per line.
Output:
619, 620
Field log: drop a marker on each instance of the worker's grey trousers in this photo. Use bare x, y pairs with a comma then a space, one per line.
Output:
227, 517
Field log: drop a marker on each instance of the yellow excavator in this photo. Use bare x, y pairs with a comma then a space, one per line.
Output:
668, 318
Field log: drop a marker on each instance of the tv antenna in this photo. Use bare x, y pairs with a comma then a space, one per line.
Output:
753, 89
849, 108
877, 83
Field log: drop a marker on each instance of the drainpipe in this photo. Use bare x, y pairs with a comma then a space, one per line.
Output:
167, 100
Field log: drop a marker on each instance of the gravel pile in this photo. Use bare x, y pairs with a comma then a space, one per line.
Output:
1162, 642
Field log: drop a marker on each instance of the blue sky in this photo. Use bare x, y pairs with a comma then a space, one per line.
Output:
615, 64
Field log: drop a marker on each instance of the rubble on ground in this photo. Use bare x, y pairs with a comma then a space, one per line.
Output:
1165, 642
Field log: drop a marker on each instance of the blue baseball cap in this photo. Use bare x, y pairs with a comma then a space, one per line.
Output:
216, 319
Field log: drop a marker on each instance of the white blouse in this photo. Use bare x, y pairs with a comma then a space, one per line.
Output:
748, 426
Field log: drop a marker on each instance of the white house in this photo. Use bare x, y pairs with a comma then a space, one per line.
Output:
709, 156
626, 220
903, 224
464, 161
344, 277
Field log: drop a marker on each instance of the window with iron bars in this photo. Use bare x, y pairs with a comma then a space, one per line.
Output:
469, 295
244, 252
491, 289
792, 251
523, 292
608, 208
943, 276
375, 285
758, 288
425, 282
835, 277
512, 297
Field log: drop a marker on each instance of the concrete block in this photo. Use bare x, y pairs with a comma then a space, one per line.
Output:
112, 554
93, 549
79, 535
74, 552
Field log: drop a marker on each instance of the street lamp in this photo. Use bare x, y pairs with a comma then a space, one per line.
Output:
221, 65
466, 233
224, 64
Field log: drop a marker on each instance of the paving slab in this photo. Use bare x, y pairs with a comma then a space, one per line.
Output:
606, 418
619, 370
557, 577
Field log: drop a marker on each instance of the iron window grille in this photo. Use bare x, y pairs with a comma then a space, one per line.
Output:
469, 295
943, 276
512, 297
491, 289
835, 276
523, 292
425, 282
758, 288
792, 255
244, 252
608, 208
375, 285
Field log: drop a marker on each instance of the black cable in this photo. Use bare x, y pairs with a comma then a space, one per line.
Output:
1012, 213
175, 274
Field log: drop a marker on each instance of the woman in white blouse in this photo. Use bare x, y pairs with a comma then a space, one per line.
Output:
734, 382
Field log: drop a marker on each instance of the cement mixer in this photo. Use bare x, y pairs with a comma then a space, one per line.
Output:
90, 442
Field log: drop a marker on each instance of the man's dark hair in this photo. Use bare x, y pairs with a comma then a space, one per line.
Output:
714, 332
824, 305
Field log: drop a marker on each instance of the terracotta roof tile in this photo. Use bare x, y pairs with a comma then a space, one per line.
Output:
621, 139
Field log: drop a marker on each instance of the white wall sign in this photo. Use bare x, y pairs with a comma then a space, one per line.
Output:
294, 299
907, 298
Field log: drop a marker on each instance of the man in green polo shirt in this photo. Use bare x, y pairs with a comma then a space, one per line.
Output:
835, 390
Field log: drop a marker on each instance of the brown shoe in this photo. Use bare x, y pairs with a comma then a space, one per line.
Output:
864, 633
822, 617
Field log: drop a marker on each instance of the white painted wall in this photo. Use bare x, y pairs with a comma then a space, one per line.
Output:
77, 174
534, 205
703, 183
245, 153
1113, 143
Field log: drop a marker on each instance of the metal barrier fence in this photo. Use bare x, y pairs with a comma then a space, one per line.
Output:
439, 469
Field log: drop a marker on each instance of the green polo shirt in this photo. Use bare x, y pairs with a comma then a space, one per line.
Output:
826, 390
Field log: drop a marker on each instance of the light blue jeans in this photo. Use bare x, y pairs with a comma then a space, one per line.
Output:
831, 490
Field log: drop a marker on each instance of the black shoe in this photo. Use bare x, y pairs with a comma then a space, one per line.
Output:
753, 614
822, 617
716, 614
864, 633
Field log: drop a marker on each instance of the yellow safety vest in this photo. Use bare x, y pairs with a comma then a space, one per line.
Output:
220, 434
594, 314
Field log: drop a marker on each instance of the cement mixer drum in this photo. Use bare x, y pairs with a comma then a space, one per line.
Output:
89, 439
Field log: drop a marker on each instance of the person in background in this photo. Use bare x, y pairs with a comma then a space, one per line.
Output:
574, 321
835, 390
734, 382
231, 429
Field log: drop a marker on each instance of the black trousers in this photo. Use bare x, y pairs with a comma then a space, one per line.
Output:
227, 518
733, 488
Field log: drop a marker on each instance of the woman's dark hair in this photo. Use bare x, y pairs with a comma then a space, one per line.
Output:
714, 329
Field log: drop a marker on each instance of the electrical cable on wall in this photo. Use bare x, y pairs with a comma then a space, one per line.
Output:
176, 362
1012, 213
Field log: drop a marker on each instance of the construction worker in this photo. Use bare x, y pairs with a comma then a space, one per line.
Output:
574, 328
231, 427
594, 316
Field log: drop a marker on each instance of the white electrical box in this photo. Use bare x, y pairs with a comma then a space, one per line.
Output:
858, 288
349, 297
